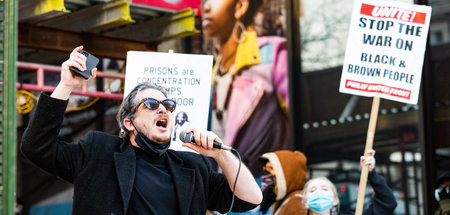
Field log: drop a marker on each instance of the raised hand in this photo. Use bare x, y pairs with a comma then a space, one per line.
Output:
368, 160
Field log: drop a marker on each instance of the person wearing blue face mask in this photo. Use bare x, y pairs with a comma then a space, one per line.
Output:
320, 195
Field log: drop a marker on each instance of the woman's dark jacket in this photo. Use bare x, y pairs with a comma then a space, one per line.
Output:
384, 201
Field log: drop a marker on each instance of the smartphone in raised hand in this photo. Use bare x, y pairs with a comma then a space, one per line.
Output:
91, 63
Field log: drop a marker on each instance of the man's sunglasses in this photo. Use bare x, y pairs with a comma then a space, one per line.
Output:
153, 104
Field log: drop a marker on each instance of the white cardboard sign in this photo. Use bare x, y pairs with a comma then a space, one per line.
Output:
187, 78
385, 50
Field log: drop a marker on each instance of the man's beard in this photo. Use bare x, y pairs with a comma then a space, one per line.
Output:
160, 139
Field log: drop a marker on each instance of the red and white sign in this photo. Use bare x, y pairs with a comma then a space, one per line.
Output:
385, 50
171, 4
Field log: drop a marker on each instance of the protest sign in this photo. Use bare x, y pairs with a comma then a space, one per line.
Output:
385, 50
187, 78
384, 58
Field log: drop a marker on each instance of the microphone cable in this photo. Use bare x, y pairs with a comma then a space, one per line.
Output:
235, 180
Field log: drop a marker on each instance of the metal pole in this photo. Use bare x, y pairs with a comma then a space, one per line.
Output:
426, 131
416, 184
8, 133
405, 175
295, 74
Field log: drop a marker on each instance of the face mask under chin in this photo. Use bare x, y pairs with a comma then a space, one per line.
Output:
152, 148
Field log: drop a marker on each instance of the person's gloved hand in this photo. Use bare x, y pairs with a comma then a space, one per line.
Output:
444, 193
269, 198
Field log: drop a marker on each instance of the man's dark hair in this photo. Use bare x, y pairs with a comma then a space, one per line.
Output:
128, 106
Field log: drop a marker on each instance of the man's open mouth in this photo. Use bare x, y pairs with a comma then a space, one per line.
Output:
162, 123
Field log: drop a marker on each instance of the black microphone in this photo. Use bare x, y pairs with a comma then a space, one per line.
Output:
189, 138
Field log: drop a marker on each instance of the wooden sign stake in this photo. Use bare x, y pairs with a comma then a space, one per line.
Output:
369, 144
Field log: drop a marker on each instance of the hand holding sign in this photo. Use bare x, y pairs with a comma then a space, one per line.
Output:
385, 48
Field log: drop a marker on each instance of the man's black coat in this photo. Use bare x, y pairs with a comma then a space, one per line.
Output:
102, 168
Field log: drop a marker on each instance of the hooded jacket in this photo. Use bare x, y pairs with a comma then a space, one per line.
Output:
290, 177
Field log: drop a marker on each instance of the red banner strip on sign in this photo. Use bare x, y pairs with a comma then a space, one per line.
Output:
393, 13
378, 88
